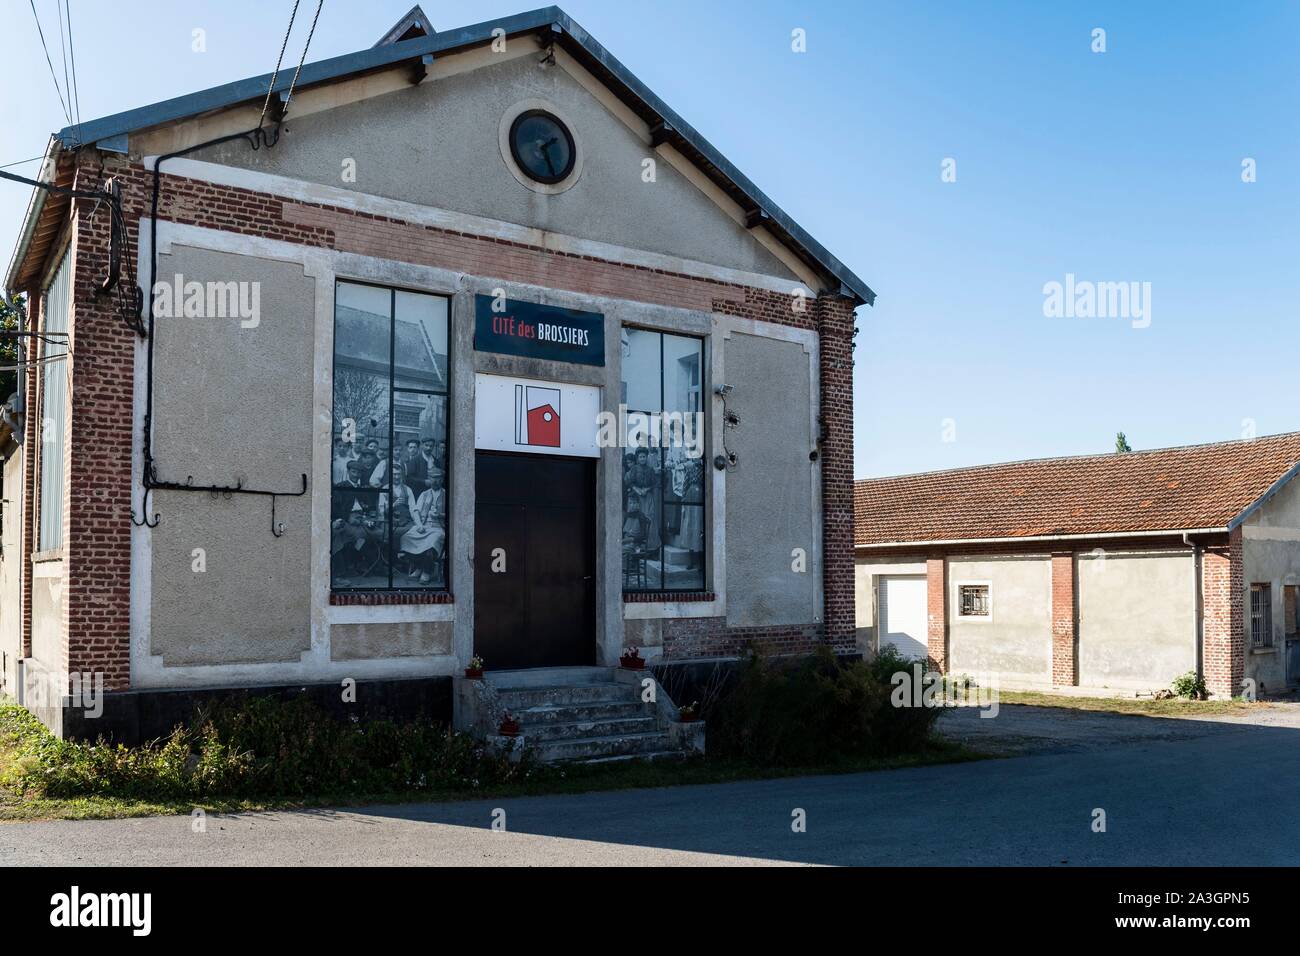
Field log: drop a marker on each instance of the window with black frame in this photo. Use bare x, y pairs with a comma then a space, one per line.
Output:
663, 464
390, 466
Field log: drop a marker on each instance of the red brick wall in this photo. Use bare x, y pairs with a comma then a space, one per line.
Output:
1065, 670
98, 528
1224, 640
936, 599
836, 370
698, 637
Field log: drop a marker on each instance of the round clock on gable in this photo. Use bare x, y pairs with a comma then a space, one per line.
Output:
542, 146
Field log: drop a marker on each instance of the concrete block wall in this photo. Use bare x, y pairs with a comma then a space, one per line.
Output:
1222, 598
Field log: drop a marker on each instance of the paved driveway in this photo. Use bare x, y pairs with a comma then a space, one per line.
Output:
1019, 729
1196, 792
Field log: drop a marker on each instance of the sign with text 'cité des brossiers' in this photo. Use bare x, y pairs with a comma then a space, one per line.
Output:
538, 331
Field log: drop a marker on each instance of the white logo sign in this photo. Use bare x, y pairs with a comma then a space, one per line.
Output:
540, 418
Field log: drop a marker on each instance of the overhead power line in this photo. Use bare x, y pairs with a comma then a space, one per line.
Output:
53, 75
22, 161
75, 96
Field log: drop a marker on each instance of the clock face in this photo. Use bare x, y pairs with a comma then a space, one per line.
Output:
542, 146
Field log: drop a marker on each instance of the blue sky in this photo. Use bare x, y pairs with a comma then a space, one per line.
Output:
1122, 166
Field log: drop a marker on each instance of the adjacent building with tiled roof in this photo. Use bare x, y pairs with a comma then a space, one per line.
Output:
1116, 572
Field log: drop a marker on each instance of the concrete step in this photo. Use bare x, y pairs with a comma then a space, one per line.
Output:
520, 698
587, 748
537, 733
573, 713
549, 676
624, 758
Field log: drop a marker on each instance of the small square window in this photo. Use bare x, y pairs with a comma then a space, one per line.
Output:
973, 600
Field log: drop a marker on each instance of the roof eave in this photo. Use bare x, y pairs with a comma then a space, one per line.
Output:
1259, 502
859, 290
35, 203
1038, 538
254, 89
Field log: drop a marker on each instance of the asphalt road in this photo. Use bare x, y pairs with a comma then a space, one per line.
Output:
1174, 792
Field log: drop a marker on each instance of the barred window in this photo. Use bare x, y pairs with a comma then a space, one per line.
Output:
1261, 615
390, 465
974, 600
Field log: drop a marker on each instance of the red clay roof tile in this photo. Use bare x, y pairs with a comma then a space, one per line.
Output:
1166, 489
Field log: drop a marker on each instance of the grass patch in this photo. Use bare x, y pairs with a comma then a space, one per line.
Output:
1146, 707
43, 778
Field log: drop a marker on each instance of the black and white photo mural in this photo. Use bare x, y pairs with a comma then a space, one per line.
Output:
388, 511
663, 465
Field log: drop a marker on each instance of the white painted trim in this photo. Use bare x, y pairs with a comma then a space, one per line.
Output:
302, 191
673, 610
916, 567
395, 614
864, 549
48, 569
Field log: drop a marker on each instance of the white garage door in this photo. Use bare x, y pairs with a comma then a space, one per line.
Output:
902, 614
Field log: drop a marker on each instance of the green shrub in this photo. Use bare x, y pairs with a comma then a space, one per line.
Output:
816, 711
900, 730
1192, 686
257, 747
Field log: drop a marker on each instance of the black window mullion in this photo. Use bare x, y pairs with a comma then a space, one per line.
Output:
663, 526
388, 466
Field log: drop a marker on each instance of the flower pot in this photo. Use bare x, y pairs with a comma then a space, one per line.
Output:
632, 663
474, 673
509, 729
687, 718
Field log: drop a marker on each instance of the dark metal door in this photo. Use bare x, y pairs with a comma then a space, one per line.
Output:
534, 561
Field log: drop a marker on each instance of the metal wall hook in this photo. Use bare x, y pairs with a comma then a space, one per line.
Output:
277, 527
144, 507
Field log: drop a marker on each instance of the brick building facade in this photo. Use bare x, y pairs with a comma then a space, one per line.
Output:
152, 482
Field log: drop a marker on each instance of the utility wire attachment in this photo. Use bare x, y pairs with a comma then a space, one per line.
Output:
275, 73
301, 60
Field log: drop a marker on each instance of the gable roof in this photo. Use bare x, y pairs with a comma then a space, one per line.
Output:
1191, 488
550, 22
413, 24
